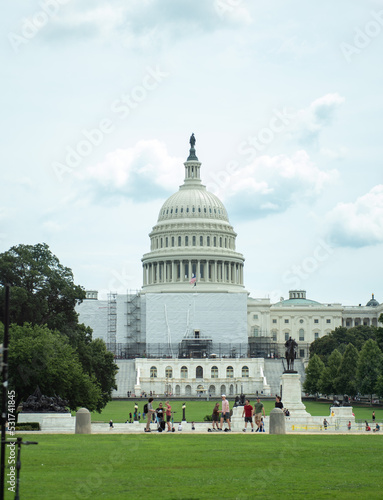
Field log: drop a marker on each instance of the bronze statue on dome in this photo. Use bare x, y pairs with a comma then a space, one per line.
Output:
192, 140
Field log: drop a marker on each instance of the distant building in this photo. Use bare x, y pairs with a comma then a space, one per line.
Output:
193, 314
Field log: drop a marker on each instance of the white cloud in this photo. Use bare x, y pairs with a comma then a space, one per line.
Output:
136, 22
360, 223
273, 183
312, 120
142, 172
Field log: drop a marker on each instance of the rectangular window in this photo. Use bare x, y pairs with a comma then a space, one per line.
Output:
316, 335
286, 336
255, 316
286, 320
328, 320
316, 320
274, 320
301, 353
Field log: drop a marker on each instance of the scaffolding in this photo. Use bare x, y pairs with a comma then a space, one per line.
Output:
133, 315
112, 321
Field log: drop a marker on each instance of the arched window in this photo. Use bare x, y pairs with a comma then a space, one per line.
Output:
184, 372
153, 372
166, 241
245, 371
199, 372
169, 372
179, 241
186, 241
214, 372
215, 241
188, 390
172, 241
208, 241
194, 241
229, 372
201, 241
220, 241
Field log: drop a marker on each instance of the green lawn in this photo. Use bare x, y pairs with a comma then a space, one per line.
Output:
211, 466
118, 411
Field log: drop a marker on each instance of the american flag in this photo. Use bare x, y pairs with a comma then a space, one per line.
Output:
193, 280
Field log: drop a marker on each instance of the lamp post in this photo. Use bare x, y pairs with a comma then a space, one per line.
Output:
135, 412
183, 412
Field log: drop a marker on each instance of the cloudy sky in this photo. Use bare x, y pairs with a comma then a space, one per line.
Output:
285, 99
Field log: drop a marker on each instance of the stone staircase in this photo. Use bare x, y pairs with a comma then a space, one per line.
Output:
274, 369
125, 378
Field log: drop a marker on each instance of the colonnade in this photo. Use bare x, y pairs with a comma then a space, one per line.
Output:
182, 271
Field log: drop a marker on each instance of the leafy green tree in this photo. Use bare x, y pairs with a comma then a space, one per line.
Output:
43, 290
346, 382
379, 386
40, 357
327, 382
369, 367
340, 338
323, 347
314, 371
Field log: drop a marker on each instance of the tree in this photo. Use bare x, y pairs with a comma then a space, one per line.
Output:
346, 381
40, 357
43, 290
340, 338
323, 347
369, 367
327, 383
314, 371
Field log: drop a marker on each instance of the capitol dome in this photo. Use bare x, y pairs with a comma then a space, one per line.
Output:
372, 302
191, 203
192, 240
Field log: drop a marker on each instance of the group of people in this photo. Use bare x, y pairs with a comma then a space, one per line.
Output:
249, 412
163, 416
225, 415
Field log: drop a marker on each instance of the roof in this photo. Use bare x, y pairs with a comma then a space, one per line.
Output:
297, 302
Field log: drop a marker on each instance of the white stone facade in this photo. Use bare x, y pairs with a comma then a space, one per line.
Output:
191, 377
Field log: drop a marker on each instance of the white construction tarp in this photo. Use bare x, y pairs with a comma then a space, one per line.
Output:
170, 317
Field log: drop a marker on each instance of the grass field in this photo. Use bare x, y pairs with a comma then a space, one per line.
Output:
222, 466
118, 411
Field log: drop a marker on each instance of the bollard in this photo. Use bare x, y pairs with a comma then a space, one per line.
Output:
277, 422
83, 422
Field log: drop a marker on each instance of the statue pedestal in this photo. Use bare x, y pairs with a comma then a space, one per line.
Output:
137, 390
342, 412
292, 395
237, 421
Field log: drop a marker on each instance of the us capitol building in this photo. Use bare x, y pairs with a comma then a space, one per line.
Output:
193, 328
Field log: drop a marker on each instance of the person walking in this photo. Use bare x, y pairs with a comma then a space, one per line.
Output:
373, 417
258, 409
248, 414
225, 415
160, 417
168, 413
150, 412
215, 416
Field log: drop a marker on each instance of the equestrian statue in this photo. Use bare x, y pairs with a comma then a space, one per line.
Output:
290, 354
